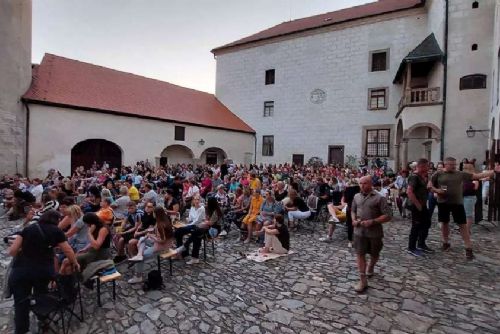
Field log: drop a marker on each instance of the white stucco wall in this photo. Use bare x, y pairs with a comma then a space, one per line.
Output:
494, 72
466, 108
54, 131
336, 62
15, 78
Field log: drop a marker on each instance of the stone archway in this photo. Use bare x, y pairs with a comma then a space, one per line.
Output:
213, 156
176, 154
422, 141
86, 152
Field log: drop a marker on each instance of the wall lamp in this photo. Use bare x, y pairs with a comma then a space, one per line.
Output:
201, 142
471, 132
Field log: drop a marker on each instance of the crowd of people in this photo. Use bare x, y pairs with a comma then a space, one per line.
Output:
132, 213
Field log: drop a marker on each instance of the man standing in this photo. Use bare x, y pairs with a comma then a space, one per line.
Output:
420, 215
448, 185
369, 212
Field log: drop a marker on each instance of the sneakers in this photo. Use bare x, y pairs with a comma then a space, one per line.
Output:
349, 244
223, 233
326, 239
193, 261
137, 258
446, 246
415, 252
426, 249
468, 254
135, 280
333, 220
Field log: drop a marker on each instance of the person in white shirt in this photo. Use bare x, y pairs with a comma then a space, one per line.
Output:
192, 192
37, 190
196, 212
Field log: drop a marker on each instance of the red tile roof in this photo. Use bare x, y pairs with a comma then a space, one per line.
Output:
323, 20
66, 82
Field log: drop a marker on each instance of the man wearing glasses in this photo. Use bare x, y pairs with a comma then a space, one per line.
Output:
448, 185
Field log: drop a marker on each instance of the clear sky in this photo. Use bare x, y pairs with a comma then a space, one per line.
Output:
169, 40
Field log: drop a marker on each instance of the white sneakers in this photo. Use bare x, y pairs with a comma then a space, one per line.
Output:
136, 258
333, 219
326, 239
193, 261
349, 244
135, 280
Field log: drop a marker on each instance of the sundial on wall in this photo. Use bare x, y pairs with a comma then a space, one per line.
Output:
318, 96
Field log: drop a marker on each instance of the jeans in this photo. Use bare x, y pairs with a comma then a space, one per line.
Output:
196, 237
23, 283
431, 203
294, 215
420, 224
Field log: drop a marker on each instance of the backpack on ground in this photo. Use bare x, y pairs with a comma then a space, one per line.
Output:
154, 281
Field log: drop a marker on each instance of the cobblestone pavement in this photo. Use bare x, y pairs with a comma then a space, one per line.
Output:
309, 291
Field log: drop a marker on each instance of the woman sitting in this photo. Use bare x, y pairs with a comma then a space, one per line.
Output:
253, 213
267, 212
98, 247
296, 208
172, 206
277, 238
77, 234
159, 240
337, 214
70, 216
196, 212
214, 217
106, 214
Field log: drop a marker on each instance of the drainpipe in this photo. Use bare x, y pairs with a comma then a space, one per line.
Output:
445, 78
255, 148
27, 140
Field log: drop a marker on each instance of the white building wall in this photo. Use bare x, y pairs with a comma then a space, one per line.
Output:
336, 62
54, 131
466, 108
495, 75
15, 78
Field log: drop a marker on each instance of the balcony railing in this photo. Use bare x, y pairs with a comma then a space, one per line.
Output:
420, 96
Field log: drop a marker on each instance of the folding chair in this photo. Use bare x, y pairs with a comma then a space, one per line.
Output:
51, 308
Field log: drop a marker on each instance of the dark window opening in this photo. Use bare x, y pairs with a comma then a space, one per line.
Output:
268, 108
180, 133
377, 143
298, 159
379, 61
270, 77
475, 4
267, 146
474, 47
474, 81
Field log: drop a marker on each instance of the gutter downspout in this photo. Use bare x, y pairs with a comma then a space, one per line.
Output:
255, 149
26, 169
445, 78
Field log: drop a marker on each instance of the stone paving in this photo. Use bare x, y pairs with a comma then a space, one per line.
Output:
309, 291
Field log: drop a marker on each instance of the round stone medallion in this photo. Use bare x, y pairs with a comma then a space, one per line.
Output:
318, 96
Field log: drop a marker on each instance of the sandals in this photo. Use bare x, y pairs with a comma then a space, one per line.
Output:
361, 287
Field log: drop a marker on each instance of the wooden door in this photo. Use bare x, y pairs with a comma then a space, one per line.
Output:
298, 159
86, 152
336, 155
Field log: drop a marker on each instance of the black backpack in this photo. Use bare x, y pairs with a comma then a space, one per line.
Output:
154, 281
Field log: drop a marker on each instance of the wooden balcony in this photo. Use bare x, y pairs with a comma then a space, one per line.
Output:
420, 97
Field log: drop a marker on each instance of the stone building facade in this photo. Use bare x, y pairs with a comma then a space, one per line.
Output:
366, 81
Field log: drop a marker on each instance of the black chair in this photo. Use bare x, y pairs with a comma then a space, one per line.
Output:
57, 307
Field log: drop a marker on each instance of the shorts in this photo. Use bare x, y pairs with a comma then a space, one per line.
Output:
470, 206
456, 210
364, 245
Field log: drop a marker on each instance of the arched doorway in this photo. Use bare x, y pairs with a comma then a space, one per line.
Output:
213, 156
176, 154
86, 152
423, 142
